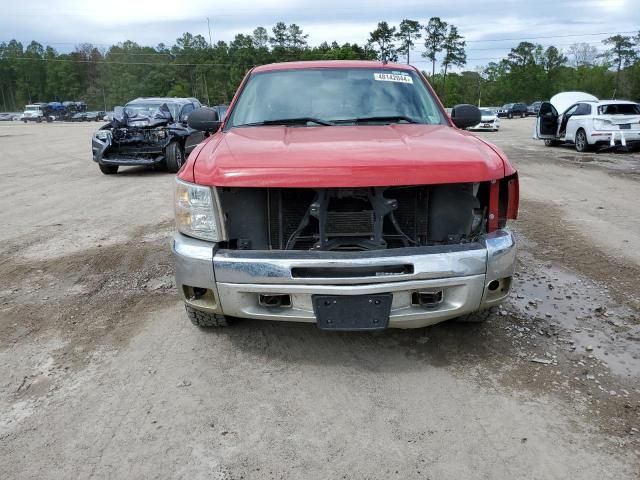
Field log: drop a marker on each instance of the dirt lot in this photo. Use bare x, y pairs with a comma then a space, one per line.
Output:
102, 375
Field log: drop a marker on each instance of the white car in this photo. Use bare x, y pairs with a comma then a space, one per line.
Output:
588, 122
488, 121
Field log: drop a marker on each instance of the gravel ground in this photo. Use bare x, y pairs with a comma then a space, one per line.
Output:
102, 375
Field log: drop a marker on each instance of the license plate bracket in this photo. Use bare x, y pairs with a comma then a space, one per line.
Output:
352, 312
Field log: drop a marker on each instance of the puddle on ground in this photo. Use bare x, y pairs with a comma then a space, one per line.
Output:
582, 314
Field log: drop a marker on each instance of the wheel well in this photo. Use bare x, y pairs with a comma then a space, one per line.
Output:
585, 135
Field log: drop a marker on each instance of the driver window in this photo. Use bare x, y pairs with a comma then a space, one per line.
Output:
187, 109
571, 110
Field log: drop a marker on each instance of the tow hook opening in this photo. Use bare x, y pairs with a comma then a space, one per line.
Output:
427, 298
274, 300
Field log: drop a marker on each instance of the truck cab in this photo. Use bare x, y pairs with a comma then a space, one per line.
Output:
342, 194
34, 113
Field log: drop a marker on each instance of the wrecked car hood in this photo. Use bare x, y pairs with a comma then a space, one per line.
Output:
140, 122
345, 156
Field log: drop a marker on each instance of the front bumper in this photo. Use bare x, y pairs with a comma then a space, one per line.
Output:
103, 154
234, 279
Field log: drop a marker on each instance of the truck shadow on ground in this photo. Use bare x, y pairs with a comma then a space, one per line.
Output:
446, 344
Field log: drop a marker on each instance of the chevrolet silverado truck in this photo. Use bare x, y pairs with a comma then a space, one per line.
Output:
340, 193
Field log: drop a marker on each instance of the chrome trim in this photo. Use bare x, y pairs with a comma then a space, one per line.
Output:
501, 255
461, 295
194, 262
232, 266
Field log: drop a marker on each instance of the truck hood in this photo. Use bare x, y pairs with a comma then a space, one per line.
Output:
345, 156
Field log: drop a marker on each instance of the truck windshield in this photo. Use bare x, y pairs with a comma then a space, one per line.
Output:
335, 96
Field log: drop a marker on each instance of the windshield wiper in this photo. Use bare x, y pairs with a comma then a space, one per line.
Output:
289, 121
384, 118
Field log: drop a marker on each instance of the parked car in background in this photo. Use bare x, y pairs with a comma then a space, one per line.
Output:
94, 116
222, 110
79, 117
341, 193
147, 131
9, 117
534, 108
588, 122
488, 121
512, 110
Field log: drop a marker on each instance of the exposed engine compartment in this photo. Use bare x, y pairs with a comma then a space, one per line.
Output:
124, 136
354, 219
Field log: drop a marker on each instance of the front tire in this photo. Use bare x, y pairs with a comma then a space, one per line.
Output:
522, 115
206, 320
510, 115
582, 145
174, 157
108, 169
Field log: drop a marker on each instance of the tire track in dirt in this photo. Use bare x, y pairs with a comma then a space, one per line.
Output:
557, 241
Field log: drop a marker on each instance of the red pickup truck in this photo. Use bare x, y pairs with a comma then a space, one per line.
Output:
341, 193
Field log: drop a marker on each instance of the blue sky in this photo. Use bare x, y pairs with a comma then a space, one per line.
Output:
491, 27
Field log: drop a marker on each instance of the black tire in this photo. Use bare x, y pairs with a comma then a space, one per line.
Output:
479, 316
38, 120
174, 157
522, 115
206, 320
108, 169
582, 145
24, 121
509, 115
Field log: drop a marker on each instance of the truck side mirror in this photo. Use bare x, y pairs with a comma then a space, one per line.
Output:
465, 115
204, 119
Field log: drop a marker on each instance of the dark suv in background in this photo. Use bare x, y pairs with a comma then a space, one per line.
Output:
511, 110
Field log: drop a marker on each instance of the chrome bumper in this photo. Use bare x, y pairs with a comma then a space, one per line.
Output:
236, 278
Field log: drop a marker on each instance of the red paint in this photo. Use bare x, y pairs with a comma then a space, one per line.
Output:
513, 188
343, 156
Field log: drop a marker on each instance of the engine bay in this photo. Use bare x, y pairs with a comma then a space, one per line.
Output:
353, 219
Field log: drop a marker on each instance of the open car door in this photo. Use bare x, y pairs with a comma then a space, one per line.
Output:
547, 122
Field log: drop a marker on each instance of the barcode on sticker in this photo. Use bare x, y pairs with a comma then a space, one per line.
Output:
393, 77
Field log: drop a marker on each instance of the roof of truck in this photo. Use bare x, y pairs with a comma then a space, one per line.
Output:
333, 64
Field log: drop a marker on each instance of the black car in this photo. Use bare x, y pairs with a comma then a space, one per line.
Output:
147, 131
511, 110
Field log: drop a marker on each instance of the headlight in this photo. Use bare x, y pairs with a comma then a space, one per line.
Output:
600, 124
196, 212
103, 134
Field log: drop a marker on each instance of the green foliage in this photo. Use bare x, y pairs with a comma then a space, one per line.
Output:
381, 39
435, 33
212, 73
408, 31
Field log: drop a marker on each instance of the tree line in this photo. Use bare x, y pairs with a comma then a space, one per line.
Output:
104, 77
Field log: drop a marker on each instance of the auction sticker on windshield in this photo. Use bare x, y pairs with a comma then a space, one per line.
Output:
399, 77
